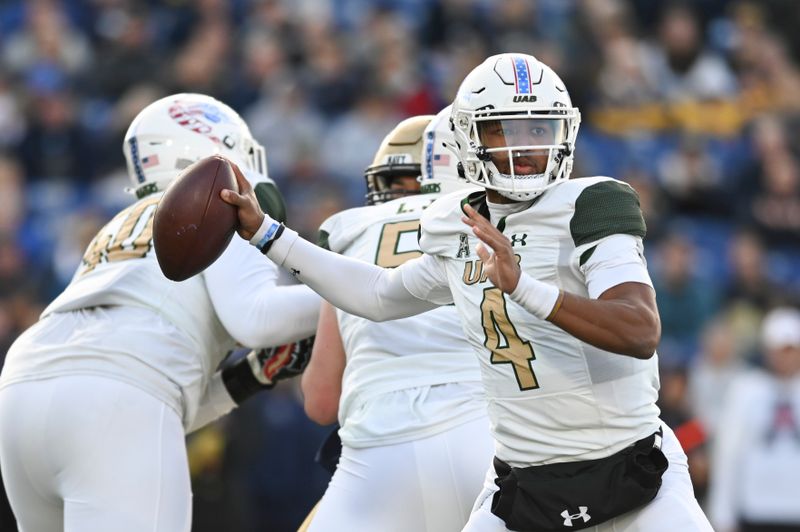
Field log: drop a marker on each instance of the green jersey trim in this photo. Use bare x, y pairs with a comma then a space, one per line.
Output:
271, 201
323, 240
604, 209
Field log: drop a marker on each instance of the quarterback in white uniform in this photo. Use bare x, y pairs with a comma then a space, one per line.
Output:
550, 281
96, 397
414, 429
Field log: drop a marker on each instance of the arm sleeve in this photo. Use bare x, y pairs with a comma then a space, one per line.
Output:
252, 307
354, 286
613, 260
215, 403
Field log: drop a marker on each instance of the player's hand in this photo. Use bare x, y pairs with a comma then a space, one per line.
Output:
499, 261
273, 364
250, 214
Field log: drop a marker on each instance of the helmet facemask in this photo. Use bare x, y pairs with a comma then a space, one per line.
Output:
380, 180
520, 154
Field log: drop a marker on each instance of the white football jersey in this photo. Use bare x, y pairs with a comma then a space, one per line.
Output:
423, 350
136, 325
552, 397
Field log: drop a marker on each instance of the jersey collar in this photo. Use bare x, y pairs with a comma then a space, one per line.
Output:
477, 200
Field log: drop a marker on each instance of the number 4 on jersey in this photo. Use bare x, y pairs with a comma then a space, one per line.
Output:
504, 342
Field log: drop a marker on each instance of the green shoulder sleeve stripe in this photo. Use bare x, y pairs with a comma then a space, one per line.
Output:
604, 209
271, 200
322, 240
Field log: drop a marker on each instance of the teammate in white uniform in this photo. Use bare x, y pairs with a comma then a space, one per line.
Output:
414, 429
96, 397
552, 288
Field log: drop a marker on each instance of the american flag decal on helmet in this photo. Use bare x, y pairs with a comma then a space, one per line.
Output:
522, 75
137, 165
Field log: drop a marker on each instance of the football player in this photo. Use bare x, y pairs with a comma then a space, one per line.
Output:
549, 278
96, 398
407, 393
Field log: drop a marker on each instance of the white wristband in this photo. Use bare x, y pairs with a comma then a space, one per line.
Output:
536, 297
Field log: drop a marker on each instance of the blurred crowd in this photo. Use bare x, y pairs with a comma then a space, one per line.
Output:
695, 104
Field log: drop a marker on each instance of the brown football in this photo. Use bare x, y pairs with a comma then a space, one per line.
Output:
192, 225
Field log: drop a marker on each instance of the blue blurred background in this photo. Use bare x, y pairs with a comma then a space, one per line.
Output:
695, 104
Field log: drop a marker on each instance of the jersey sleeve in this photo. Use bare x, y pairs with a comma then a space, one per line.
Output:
339, 230
426, 278
253, 308
614, 260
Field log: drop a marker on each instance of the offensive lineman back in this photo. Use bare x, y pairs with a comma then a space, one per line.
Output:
96, 397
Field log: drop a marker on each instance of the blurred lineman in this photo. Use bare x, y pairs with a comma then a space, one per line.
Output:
96, 397
757, 454
548, 276
414, 429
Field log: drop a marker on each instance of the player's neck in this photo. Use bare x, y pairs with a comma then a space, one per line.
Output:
494, 196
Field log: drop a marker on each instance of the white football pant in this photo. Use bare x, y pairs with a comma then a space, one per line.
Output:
425, 485
92, 454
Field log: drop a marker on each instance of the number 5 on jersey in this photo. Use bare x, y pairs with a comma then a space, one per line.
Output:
397, 243
504, 342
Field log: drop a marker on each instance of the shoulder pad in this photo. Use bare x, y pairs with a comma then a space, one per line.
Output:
340, 229
441, 227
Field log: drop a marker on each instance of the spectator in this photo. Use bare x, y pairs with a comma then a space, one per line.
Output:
757, 451
680, 64
55, 145
750, 283
690, 175
684, 301
775, 210
718, 363
12, 199
47, 41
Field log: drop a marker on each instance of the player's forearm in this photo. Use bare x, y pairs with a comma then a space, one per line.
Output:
322, 381
624, 319
320, 396
618, 326
279, 316
354, 286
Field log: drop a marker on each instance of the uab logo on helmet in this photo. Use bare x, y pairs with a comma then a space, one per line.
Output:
524, 98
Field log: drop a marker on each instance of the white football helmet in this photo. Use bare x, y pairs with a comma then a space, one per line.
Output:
440, 157
515, 126
171, 133
399, 155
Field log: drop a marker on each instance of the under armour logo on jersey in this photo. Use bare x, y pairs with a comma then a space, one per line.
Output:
463, 246
568, 517
519, 239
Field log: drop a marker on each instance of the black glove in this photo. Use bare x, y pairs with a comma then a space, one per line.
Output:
260, 369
